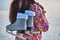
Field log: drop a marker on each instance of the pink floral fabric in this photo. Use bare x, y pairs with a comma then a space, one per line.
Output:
40, 23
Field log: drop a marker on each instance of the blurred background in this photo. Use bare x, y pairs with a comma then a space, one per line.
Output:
52, 8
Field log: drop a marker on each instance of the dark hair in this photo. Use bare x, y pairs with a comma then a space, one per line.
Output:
14, 8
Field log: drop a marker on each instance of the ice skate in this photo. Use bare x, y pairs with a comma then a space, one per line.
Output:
20, 24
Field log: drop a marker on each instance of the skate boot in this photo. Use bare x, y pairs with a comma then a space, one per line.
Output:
20, 24
30, 21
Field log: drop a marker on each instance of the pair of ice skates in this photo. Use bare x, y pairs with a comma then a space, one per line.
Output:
23, 20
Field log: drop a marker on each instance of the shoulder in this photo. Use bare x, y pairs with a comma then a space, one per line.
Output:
36, 6
39, 7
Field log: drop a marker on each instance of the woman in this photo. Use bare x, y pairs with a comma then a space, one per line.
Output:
40, 20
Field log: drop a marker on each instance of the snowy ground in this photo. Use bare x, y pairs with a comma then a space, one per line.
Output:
52, 34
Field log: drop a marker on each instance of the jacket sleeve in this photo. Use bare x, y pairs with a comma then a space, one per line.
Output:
46, 23
40, 19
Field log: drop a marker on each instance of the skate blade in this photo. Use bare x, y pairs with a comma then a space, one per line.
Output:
35, 32
11, 32
32, 33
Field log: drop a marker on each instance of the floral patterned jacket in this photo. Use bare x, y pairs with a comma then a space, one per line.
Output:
40, 22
